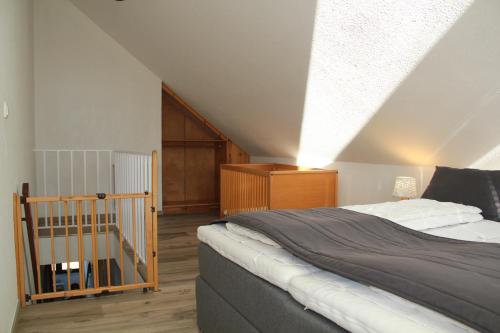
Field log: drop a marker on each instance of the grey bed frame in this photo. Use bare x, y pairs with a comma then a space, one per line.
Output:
232, 300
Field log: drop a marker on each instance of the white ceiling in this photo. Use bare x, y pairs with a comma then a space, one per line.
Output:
244, 65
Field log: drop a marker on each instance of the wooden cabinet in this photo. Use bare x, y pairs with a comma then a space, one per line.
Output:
192, 152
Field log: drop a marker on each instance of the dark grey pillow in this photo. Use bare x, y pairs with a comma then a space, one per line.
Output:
479, 188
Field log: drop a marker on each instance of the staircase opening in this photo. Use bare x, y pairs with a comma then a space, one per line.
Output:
85, 245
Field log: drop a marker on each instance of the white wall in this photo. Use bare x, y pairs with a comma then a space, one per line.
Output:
363, 183
90, 93
16, 136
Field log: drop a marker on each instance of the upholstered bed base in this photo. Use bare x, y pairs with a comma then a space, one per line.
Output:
232, 300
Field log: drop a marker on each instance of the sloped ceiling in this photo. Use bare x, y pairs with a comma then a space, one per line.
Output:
447, 110
244, 65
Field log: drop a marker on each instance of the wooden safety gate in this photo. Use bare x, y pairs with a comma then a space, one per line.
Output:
86, 244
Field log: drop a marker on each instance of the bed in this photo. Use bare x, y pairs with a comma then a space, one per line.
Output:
424, 265
249, 283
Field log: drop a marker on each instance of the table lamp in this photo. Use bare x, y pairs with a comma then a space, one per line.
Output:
405, 188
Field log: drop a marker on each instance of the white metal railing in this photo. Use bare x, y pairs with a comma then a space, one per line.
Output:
90, 171
70, 172
133, 175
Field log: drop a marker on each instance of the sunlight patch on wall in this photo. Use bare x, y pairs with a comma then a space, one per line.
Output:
490, 161
361, 51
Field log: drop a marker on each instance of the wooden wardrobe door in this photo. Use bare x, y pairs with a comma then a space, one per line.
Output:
193, 151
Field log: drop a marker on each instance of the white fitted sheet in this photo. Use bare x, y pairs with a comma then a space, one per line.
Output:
354, 306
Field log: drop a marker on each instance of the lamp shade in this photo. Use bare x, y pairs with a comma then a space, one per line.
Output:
405, 187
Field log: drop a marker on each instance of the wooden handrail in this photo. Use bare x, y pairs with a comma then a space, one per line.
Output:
265, 169
85, 197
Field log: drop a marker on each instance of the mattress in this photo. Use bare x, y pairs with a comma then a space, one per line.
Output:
353, 306
230, 299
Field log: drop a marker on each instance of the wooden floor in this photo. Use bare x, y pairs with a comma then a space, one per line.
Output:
173, 309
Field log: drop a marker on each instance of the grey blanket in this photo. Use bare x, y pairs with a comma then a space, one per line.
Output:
456, 278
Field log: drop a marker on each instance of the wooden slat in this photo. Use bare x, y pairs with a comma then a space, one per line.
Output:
335, 191
134, 239
263, 192
148, 227
254, 192
245, 205
52, 247
223, 193
19, 248
29, 228
106, 222
234, 193
258, 198
251, 192
120, 226
37, 247
95, 251
237, 192
68, 258
154, 197
269, 187
81, 249
257, 193
90, 291
229, 192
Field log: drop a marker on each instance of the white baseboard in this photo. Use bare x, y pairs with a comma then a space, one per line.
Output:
16, 314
